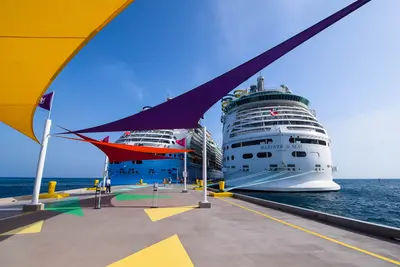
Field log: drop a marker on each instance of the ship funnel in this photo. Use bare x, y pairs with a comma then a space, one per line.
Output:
260, 83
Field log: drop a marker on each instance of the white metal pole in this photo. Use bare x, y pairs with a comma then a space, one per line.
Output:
184, 170
105, 172
205, 164
42, 158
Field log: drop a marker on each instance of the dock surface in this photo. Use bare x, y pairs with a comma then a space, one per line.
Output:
126, 231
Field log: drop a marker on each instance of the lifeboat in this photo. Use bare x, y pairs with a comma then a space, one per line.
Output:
225, 101
239, 93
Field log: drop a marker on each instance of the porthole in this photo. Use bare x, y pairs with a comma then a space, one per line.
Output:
264, 154
299, 154
248, 156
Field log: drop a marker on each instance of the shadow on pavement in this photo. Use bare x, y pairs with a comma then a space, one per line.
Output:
24, 219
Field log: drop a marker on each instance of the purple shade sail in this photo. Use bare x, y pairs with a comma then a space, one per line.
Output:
45, 101
185, 110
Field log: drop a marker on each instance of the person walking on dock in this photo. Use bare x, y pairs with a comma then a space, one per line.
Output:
108, 185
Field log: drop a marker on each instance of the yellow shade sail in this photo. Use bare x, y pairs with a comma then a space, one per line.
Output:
37, 39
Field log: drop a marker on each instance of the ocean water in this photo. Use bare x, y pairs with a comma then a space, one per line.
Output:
363, 199
11, 187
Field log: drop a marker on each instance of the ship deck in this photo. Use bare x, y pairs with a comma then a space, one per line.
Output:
128, 232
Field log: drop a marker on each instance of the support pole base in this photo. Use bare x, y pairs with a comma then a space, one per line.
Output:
33, 207
204, 205
184, 191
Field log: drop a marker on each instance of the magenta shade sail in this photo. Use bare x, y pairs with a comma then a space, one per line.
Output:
186, 110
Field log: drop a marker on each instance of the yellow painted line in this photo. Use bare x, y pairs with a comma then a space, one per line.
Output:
316, 234
28, 229
18, 215
162, 213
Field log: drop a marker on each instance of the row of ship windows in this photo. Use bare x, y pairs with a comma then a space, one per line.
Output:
141, 162
151, 133
296, 154
281, 109
150, 171
253, 130
146, 140
307, 141
274, 167
265, 97
276, 122
271, 118
144, 135
180, 156
270, 141
237, 132
240, 116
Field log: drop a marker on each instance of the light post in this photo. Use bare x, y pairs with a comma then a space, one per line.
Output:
102, 183
204, 203
35, 205
184, 190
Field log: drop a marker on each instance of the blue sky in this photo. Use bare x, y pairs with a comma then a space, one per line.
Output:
156, 49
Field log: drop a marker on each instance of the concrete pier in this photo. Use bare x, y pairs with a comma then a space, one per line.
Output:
127, 231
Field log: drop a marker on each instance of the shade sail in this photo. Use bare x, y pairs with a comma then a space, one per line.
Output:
37, 39
121, 152
185, 110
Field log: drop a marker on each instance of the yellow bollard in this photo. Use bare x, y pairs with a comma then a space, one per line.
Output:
52, 187
51, 192
96, 182
197, 181
201, 183
221, 185
141, 181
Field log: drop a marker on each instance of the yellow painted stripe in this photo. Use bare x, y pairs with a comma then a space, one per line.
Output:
14, 216
316, 234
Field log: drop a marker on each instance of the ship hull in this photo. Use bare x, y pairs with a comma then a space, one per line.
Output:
283, 182
151, 171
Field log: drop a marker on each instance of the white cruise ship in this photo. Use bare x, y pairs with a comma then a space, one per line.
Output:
272, 141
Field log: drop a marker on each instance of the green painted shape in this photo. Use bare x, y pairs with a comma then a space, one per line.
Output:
67, 206
67, 203
125, 197
63, 208
77, 211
